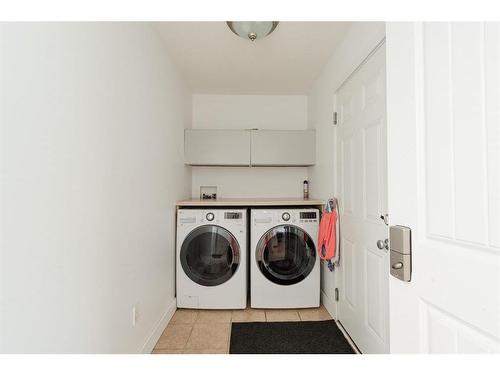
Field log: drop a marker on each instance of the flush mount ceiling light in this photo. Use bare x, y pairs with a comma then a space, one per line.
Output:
252, 30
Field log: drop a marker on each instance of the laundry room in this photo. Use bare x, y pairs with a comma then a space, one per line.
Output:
197, 187
247, 256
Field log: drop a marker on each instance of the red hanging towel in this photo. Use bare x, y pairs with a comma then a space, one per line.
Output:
327, 235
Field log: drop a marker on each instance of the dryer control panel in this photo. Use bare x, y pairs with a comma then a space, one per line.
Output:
306, 215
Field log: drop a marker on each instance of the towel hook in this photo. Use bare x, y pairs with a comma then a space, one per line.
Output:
330, 205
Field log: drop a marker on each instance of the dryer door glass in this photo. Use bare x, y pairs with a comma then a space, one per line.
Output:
286, 255
210, 255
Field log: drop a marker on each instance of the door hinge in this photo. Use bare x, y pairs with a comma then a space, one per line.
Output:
336, 294
335, 118
385, 218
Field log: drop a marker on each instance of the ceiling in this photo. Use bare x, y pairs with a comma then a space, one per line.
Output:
213, 60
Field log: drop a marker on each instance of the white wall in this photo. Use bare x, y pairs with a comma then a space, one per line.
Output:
360, 39
92, 118
244, 112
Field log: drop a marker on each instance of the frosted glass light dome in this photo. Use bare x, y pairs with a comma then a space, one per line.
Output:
252, 30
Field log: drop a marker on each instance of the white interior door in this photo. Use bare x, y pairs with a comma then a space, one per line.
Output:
362, 185
443, 92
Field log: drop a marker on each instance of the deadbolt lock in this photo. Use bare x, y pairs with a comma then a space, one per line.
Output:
400, 246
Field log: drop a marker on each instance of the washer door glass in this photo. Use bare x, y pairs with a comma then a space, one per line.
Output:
286, 254
210, 255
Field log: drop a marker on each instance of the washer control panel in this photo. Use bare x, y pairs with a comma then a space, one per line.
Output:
187, 217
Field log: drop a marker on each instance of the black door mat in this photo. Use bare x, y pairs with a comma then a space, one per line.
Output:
323, 337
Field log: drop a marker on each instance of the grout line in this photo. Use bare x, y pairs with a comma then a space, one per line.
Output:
190, 333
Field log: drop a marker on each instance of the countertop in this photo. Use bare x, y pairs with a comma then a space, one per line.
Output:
250, 202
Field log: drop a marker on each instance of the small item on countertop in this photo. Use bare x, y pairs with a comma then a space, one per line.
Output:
306, 189
208, 192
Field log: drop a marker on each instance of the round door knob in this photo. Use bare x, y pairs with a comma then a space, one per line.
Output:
285, 216
383, 244
210, 216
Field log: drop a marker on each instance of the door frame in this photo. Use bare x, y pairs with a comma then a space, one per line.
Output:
404, 101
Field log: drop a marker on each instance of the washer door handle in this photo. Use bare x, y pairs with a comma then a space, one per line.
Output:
230, 257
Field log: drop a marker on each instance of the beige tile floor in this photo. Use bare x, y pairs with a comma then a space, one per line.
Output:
208, 331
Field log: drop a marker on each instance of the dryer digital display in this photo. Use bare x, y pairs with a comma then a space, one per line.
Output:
232, 215
308, 215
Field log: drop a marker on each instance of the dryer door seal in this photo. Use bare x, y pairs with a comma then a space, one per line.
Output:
210, 255
286, 254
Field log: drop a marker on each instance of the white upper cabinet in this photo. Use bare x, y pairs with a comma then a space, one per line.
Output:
217, 147
250, 147
283, 147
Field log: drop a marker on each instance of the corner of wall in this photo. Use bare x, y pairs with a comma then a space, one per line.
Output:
153, 338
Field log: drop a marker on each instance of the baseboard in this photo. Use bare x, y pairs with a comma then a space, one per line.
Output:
150, 343
330, 304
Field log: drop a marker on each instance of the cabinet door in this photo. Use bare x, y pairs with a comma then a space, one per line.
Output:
283, 147
217, 147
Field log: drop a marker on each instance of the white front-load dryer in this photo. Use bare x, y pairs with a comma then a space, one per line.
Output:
284, 265
211, 258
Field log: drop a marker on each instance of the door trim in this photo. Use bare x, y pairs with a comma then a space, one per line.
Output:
360, 65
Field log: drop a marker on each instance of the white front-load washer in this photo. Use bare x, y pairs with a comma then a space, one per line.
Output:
285, 268
211, 258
